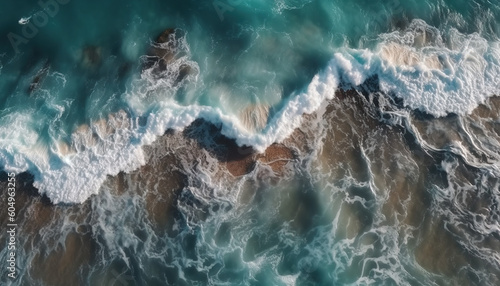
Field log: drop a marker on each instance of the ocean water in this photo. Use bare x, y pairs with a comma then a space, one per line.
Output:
125, 143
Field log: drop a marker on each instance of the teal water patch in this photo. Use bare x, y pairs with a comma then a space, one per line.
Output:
250, 52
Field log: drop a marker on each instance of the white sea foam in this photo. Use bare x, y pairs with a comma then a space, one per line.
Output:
289, 280
422, 69
24, 20
434, 75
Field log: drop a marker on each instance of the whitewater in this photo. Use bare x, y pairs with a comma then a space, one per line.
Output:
428, 73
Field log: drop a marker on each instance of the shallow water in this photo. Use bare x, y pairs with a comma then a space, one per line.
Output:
135, 159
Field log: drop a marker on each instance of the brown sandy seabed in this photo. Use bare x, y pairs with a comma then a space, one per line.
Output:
347, 138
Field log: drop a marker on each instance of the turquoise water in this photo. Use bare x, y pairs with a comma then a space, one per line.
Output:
64, 69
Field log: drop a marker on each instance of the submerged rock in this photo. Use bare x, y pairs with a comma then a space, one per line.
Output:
88, 136
400, 55
40, 76
165, 52
91, 56
254, 117
276, 156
